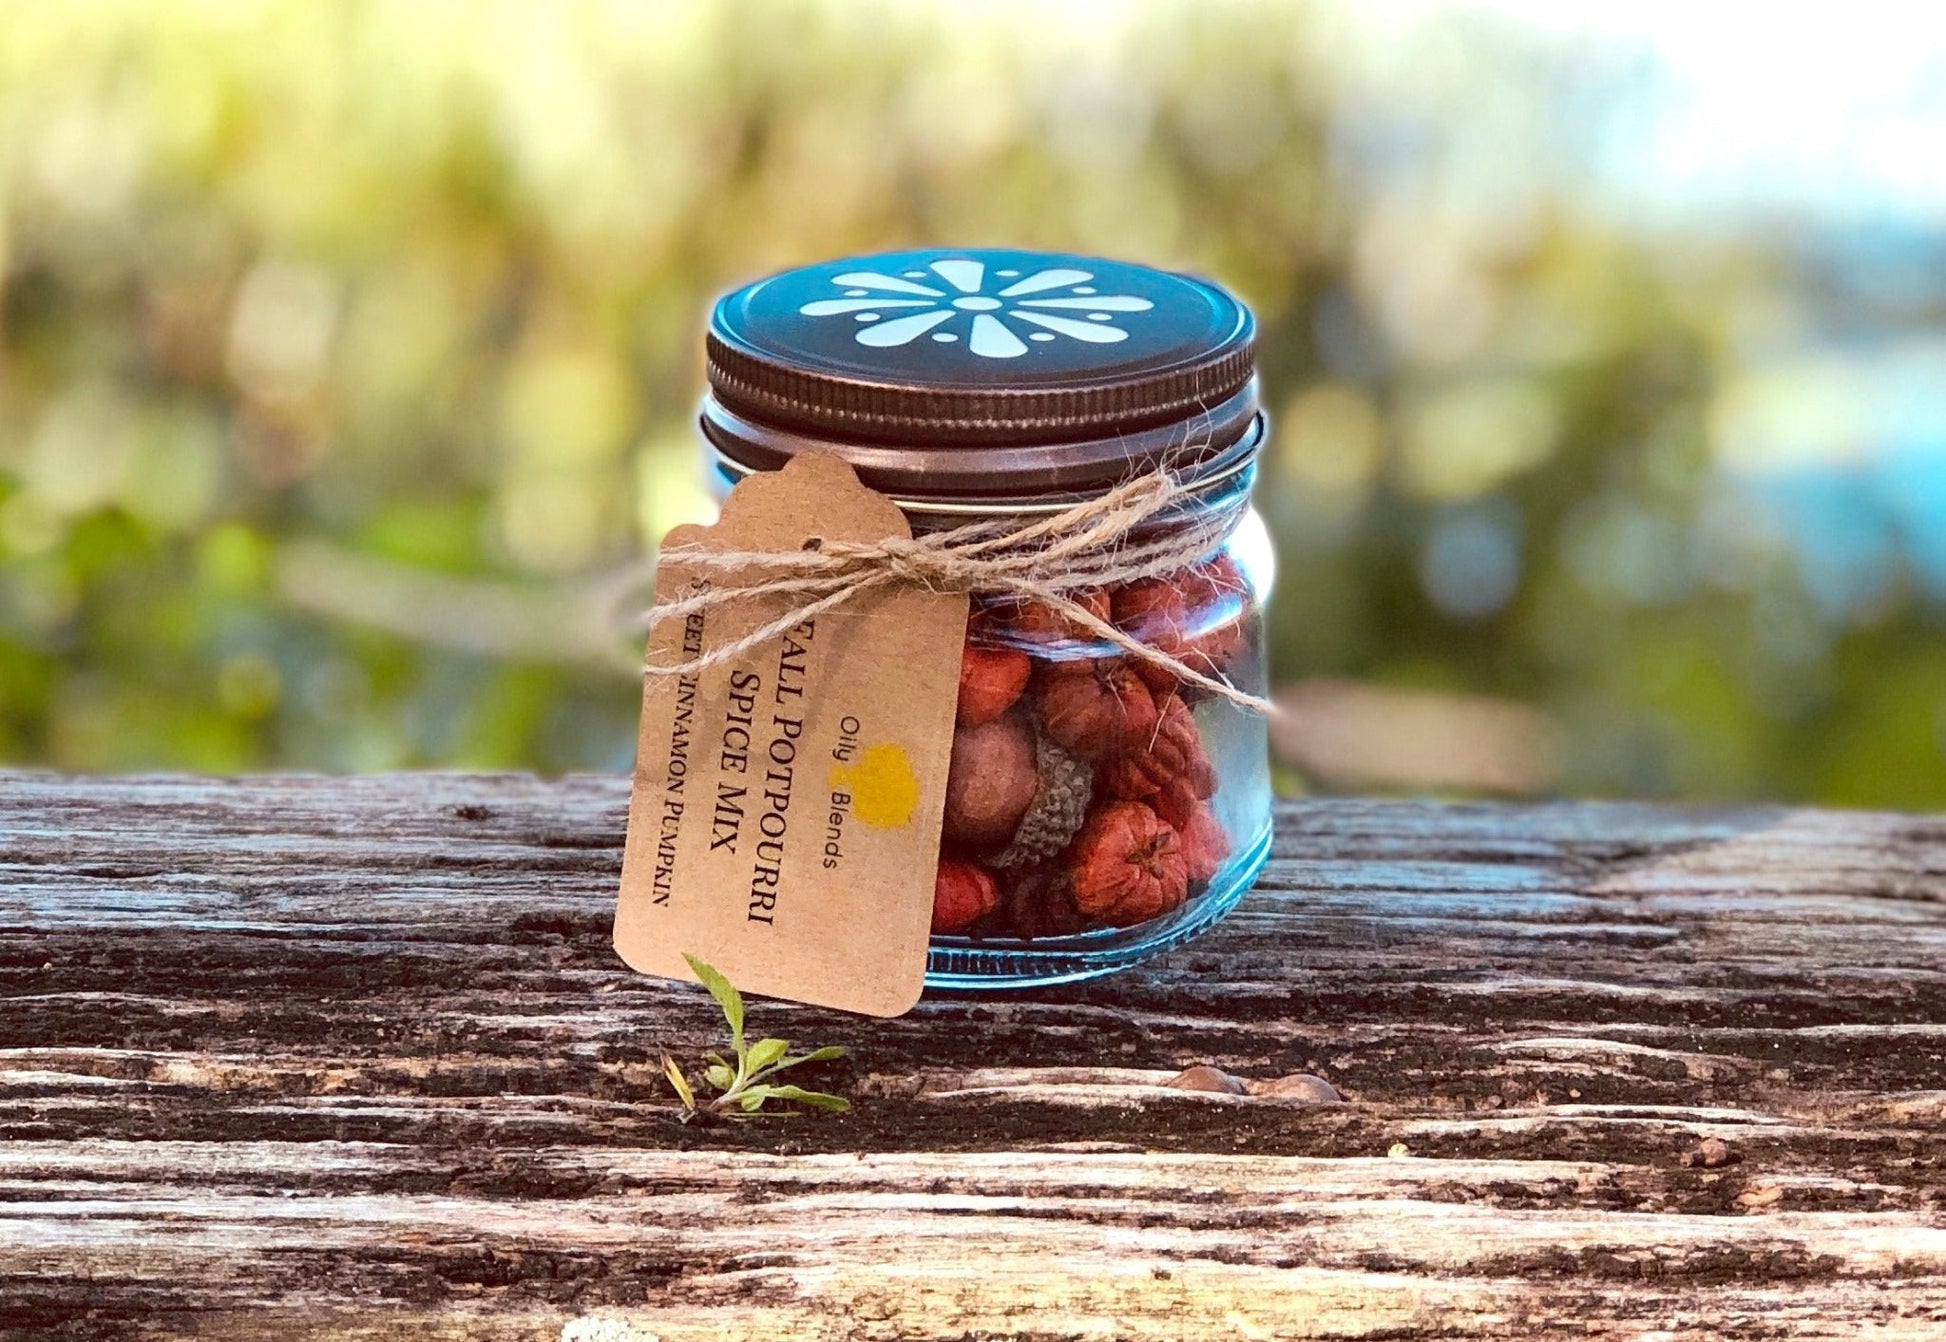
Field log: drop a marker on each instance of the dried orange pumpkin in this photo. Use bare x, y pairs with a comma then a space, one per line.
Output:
1205, 843
1096, 707
1177, 800
1168, 614
962, 894
990, 680
1174, 750
1126, 866
1040, 622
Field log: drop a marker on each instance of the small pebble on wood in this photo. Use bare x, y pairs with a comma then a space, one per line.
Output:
1710, 1153
1300, 1086
1207, 1079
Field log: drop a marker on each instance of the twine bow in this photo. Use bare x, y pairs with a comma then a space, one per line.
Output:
1087, 546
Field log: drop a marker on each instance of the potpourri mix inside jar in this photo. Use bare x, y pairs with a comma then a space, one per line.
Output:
1102, 805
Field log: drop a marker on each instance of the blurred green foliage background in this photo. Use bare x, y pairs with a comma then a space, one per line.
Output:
349, 352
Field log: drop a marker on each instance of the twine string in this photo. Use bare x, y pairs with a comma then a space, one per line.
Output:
1046, 560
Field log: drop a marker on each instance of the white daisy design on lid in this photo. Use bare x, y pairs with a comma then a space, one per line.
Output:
1045, 305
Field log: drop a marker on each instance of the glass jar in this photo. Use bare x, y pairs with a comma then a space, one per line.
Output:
1099, 809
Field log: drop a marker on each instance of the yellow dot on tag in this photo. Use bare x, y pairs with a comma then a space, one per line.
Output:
884, 790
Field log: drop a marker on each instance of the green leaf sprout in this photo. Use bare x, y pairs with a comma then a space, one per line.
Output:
745, 1086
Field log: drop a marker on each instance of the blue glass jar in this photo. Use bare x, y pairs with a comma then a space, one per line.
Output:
1100, 808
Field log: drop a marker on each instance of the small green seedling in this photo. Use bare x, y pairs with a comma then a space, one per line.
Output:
745, 1088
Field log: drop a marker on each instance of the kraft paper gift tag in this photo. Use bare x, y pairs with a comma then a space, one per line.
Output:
785, 819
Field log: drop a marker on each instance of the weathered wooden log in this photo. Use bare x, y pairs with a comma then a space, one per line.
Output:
353, 1058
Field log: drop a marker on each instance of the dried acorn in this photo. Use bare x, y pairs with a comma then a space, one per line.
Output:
1066, 786
1126, 865
1096, 707
990, 782
962, 894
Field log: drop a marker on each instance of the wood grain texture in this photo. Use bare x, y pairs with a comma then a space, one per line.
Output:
352, 1058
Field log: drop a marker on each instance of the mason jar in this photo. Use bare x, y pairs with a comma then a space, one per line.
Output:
1100, 808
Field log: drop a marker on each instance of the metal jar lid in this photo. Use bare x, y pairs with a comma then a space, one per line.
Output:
981, 371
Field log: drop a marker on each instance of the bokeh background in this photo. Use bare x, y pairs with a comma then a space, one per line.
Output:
348, 355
